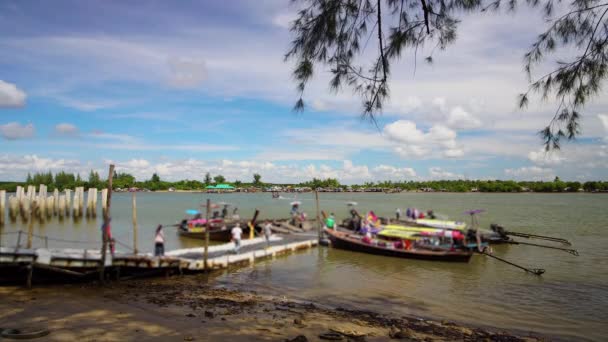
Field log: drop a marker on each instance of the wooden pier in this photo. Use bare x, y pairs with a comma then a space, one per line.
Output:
70, 264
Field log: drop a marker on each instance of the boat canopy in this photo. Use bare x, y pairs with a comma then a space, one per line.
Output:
220, 187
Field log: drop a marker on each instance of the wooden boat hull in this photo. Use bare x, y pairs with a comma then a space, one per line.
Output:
215, 233
343, 240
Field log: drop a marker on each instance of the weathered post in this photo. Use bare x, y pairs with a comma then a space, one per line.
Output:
42, 202
50, 204
61, 206
55, 201
93, 202
81, 201
24, 207
89, 202
75, 212
13, 208
207, 226
318, 215
134, 223
106, 221
30, 229
104, 201
68, 202
2, 206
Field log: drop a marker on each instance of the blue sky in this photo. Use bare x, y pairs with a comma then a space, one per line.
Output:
186, 88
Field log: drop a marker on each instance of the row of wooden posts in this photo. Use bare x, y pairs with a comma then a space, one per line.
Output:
28, 205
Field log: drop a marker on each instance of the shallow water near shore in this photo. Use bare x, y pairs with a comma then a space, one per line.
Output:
569, 302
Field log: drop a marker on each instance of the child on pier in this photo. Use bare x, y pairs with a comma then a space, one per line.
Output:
159, 241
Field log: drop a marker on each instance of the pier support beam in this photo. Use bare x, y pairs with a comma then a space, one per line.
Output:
68, 202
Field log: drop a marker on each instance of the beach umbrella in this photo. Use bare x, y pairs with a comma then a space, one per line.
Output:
474, 211
192, 212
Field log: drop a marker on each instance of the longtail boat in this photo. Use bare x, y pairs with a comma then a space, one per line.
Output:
357, 243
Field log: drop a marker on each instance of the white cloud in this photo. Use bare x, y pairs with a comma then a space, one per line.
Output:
542, 157
404, 131
412, 151
439, 173
11, 96
531, 173
604, 119
187, 73
388, 172
441, 104
15, 168
416, 143
461, 119
453, 153
66, 129
284, 20
14, 131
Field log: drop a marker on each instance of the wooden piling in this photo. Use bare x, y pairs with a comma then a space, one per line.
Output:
68, 202
24, 209
134, 222
42, 202
2, 206
50, 204
104, 201
81, 201
29, 194
89, 203
61, 207
75, 212
55, 201
106, 221
93, 194
30, 231
13, 208
207, 226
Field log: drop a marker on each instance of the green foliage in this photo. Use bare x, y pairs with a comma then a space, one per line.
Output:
321, 183
219, 179
123, 181
334, 35
257, 179
155, 178
207, 178
62, 180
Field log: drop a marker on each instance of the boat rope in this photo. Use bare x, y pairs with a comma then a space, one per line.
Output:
568, 250
540, 237
536, 271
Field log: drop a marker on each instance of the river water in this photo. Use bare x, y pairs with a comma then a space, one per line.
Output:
569, 302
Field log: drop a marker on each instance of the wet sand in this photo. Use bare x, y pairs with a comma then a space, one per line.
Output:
193, 309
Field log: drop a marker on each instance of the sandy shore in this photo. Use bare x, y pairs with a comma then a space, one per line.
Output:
191, 309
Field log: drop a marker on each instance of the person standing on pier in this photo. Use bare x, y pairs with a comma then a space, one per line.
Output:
267, 232
107, 229
159, 241
236, 233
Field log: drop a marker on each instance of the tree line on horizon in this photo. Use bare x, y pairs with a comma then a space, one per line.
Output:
63, 180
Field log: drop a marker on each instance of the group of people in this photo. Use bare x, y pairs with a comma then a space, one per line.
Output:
414, 213
237, 234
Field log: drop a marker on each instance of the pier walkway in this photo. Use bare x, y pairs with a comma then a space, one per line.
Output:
86, 262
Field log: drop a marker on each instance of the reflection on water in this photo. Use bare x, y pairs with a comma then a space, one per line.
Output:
570, 301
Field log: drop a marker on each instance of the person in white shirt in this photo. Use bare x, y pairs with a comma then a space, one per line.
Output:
236, 233
267, 231
159, 241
